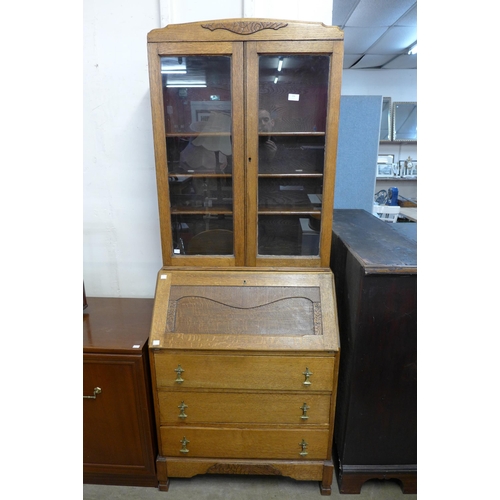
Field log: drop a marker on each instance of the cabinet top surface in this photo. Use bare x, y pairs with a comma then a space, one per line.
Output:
377, 245
116, 324
244, 310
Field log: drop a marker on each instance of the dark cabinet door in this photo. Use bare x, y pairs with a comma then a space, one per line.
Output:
117, 439
375, 272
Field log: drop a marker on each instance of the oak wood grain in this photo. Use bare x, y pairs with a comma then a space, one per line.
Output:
254, 443
226, 371
304, 470
244, 407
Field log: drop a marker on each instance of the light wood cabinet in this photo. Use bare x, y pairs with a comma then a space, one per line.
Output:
244, 344
258, 398
245, 121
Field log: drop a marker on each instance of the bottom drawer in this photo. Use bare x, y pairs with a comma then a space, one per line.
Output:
204, 442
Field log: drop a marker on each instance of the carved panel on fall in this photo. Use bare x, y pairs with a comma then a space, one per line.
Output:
249, 310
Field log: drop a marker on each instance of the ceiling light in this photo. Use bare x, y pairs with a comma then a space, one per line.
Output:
192, 79
413, 49
280, 64
275, 79
173, 65
183, 85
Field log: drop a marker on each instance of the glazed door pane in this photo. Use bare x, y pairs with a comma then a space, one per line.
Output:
293, 95
197, 113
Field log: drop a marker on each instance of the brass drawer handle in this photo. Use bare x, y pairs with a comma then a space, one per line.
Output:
182, 406
97, 390
179, 370
184, 442
303, 445
304, 409
307, 373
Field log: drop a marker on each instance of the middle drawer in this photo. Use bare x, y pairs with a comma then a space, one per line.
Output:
229, 407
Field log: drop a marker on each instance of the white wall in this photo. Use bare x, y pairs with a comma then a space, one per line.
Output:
121, 245
399, 84
121, 242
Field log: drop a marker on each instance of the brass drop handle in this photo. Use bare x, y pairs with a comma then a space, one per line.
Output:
184, 442
182, 406
304, 409
303, 445
179, 370
97, 390
307, 373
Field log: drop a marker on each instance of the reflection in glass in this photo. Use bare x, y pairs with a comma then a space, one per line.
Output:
294, 155
293, 95
289, 234
385, 121
197, 111
296, 96
290, 194
404, 121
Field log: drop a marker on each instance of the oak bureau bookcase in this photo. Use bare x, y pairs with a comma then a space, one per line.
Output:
244, 343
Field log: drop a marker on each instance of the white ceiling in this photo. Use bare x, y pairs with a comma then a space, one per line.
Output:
377, 33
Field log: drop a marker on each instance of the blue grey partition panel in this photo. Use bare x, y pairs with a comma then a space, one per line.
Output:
359, 129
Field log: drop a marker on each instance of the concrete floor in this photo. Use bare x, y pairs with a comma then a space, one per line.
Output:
243, 488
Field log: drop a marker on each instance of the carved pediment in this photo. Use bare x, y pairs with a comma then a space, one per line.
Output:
244, 27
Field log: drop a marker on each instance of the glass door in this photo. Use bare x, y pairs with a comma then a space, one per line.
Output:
197, 93
290, 112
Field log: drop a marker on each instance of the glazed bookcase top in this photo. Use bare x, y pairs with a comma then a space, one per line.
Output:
245, 125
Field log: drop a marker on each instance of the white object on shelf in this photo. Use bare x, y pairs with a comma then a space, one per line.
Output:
387, 213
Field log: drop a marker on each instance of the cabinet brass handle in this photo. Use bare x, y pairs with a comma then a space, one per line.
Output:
307, 373
304, 409
184, 442
182, 406
303, 445
97, 390
179, 370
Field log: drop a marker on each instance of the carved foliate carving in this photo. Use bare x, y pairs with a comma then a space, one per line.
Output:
172, 308
244, 27
242, 469
318, 329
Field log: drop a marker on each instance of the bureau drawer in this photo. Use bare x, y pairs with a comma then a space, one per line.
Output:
177, 407
204, 442
212, 371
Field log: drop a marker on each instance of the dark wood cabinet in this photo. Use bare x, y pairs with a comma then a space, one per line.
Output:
375, 269
119, 442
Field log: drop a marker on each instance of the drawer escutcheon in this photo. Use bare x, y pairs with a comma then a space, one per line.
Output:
304, 409
303, 445
184, 442
182, 407
179, 370
307, 373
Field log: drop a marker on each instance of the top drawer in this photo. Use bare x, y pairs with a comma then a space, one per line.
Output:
220, 371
